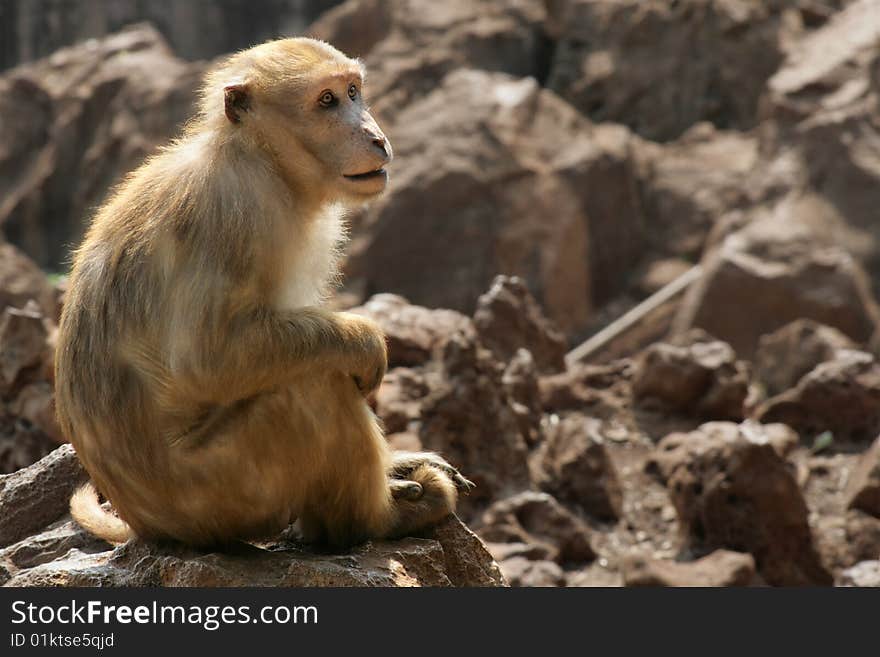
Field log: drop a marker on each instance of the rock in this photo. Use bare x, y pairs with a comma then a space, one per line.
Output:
22, 343
783, 440
21, 444
713, 57
73, 123
764, 277
508, 318
452, 556
20, 279
573, 248
864, 574
468, 419
50, 544
688, 184
520, 382
409, 46
33, 497
39, 27
841, 396
862, 536
863, 487
465, 559
786, 355
538, 523
585, 386
35, 403
698, 376
520, 571
356, 26
399, 399
732, 490
414, 334
820, 112
720, 568
573, 464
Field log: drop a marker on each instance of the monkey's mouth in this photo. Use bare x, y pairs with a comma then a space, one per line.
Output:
369, 175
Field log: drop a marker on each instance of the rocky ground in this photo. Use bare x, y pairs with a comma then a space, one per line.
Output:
591, 152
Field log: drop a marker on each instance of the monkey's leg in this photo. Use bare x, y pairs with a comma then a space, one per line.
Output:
354, 498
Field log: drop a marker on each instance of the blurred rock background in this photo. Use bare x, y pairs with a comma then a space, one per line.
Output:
558, 163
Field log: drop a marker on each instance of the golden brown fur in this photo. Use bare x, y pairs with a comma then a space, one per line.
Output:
206, 391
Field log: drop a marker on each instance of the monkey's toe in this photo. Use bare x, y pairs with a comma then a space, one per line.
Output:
462, 483
406, 490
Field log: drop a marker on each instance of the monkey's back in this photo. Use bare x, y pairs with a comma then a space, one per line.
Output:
174, 464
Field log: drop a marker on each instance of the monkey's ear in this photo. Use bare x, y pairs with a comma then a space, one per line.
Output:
237, 100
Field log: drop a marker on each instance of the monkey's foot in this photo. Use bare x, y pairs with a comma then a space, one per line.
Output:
405, 462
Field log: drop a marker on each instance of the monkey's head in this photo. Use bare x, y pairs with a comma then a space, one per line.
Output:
303, 102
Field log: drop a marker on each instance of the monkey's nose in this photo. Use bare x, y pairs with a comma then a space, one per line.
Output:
382, 144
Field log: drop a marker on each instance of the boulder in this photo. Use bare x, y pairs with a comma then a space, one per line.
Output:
451, 555
663, 462
508, 318
468, 418
414, 334
689, 183
573, 464
786, 355
712, 56
520, 381
21, 280
863, 487
32, 498
841, 396
21, 443
509, 188
73, 123
399, 399
697, 376
720, 568
773, 272
732, 490
536, 526
410, 45
602, 390
197, 31
22, 344
820, 119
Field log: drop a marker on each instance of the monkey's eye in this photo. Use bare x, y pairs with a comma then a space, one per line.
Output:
352, 92
327, 99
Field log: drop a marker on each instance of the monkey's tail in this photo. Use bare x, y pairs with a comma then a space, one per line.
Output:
86, 509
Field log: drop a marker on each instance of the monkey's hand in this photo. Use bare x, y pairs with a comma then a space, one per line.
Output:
369, 355
405, 462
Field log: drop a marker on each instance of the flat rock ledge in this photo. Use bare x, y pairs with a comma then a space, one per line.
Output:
59, 553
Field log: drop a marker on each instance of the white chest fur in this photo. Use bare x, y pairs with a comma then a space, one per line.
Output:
310, 264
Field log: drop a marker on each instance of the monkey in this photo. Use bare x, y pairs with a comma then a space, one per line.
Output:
207, 389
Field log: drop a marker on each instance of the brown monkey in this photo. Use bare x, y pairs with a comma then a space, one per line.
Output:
206, 391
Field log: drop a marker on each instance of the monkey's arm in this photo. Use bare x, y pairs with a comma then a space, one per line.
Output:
261, 350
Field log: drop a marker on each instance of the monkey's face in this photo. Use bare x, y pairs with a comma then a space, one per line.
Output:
339, 131
328, 138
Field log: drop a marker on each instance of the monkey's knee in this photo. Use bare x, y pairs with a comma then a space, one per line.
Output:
438, 498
